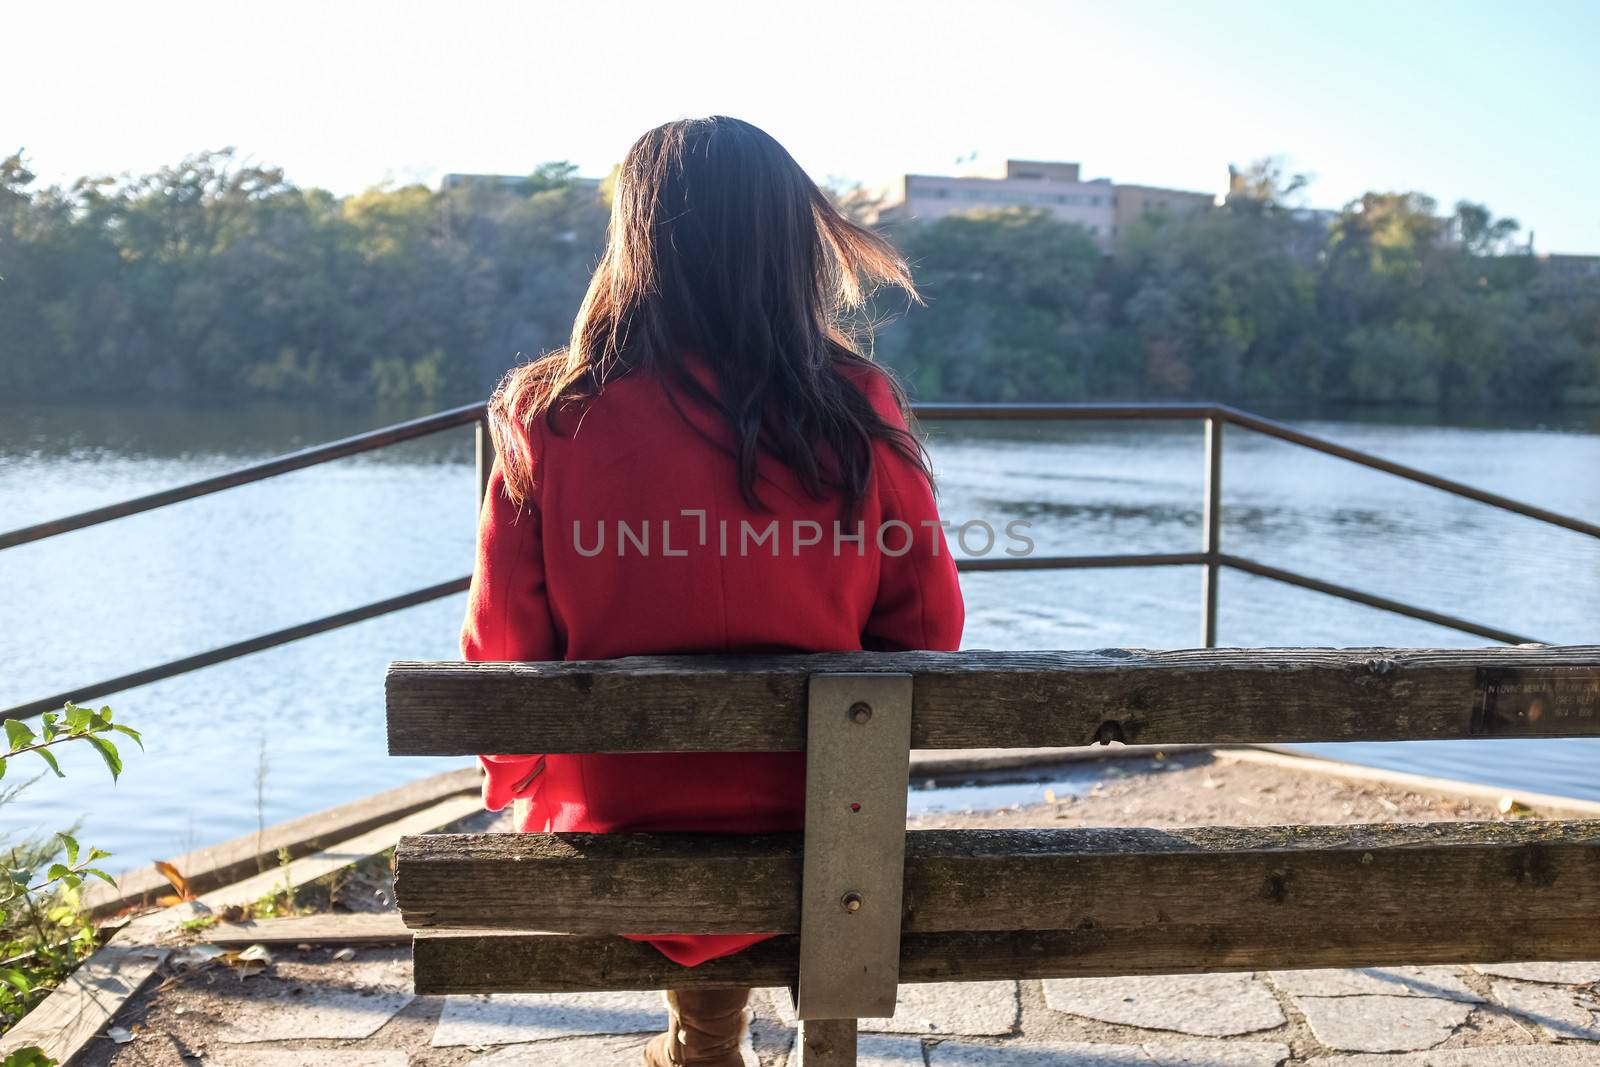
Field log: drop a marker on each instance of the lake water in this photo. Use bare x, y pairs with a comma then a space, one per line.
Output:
299, 728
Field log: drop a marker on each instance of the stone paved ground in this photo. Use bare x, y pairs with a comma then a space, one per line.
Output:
308, 1008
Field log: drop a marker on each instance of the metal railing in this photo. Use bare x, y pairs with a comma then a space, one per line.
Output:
1211, 558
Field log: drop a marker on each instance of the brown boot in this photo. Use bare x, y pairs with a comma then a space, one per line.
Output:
705, 1029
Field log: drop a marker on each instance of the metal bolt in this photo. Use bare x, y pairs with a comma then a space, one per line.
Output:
860, 713
851, 902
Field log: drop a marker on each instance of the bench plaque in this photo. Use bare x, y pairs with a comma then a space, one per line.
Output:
1536, 702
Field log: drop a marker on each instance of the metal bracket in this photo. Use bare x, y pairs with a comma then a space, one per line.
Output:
858, 757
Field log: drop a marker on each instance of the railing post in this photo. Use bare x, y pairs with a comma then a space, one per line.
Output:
485, 449
1211, 532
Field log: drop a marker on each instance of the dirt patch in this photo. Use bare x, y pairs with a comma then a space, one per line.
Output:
1200, 789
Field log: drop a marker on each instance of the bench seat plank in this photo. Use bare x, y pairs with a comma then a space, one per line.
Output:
1233, 880
980, 699
459, 962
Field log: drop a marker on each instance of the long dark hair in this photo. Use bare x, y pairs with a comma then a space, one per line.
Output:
721, 248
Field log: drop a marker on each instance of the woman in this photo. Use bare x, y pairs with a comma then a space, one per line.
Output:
710, 466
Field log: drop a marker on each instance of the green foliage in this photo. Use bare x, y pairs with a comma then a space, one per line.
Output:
28, 1057
44, 933
221, 276
1007, 313
72, 723
1389, 301
282, 901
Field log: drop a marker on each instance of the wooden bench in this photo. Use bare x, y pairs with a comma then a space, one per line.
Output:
861, 904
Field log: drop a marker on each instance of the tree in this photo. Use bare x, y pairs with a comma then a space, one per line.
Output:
1008, 307
219, 275
1218, 301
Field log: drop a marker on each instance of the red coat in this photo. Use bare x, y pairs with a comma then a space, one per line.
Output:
547, 588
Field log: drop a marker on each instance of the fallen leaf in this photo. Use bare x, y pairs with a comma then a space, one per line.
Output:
195, 955
255, 954
179, 882
345, 954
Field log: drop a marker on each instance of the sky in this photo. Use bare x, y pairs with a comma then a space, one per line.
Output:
1496, 102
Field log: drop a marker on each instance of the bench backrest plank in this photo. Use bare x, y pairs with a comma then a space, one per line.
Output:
1002, 699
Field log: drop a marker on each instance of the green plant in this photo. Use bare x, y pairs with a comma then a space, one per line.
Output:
282, 901
44, 933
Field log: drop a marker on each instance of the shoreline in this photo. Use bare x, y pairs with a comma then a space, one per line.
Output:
955, 763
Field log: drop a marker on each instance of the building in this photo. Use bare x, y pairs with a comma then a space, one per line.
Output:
1568, 274
1136, 201
1100, 206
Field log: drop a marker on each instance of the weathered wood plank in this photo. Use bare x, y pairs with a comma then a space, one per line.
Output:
1008, 699
148, 928
1226, 877
347, 852
374, 928
461, 962
217, 865
65, 1021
